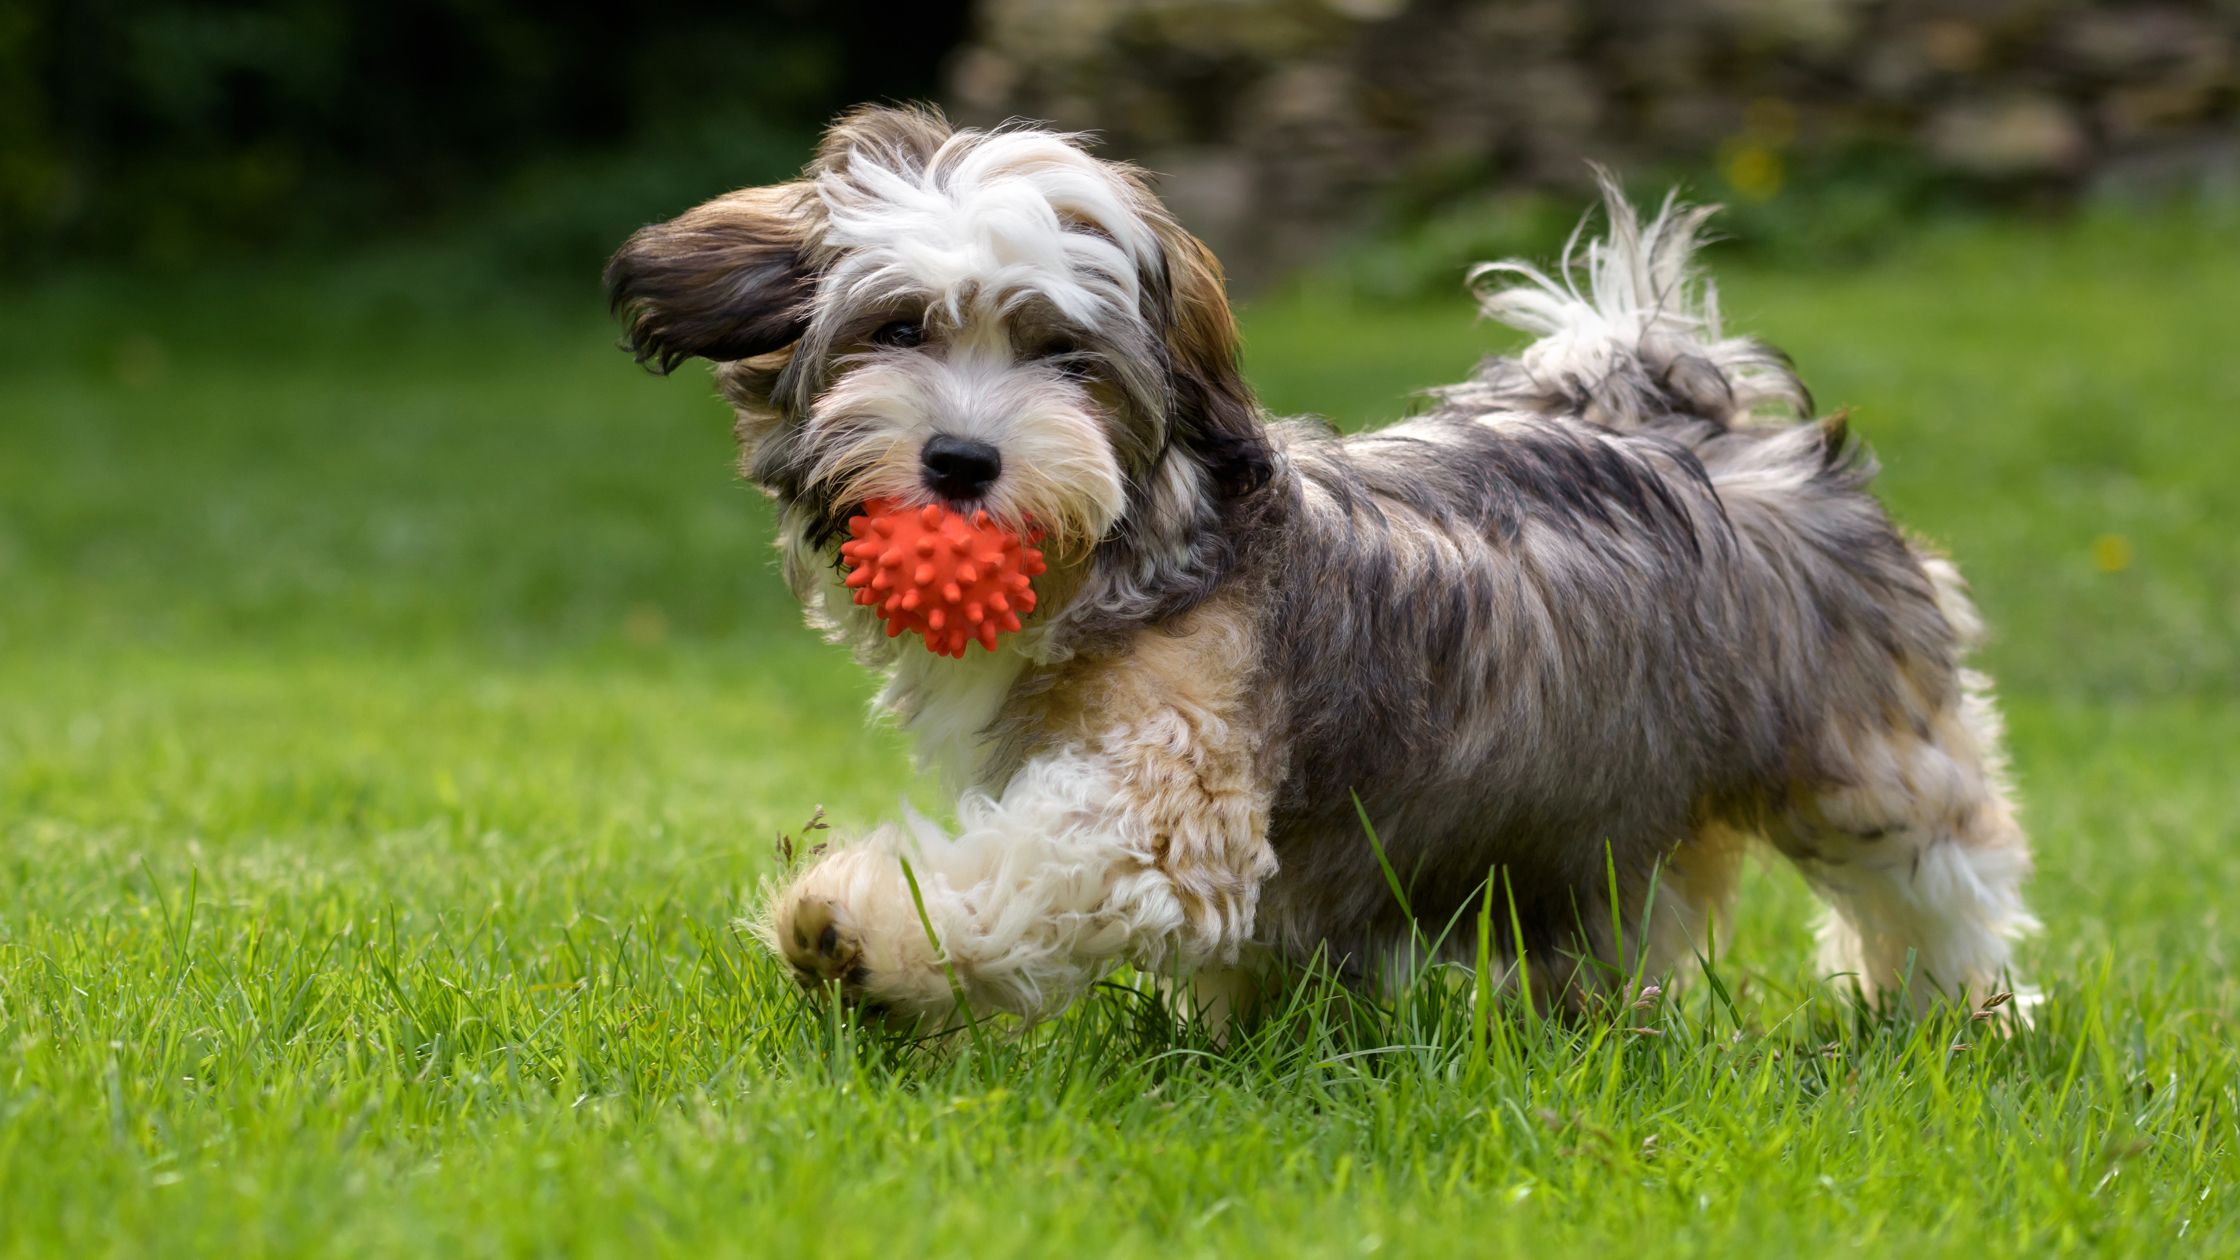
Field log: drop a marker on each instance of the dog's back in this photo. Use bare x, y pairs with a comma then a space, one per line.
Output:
1607, 604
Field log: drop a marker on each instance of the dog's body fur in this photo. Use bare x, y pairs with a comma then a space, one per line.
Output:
1603, 613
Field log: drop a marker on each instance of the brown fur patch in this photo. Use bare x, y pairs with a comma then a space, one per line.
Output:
898, 137
1175, 714
1215, 412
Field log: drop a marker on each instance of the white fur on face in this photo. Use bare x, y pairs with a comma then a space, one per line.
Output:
998, 243
1059, 472
994, 218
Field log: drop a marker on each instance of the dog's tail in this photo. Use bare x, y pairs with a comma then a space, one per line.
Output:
1628, 333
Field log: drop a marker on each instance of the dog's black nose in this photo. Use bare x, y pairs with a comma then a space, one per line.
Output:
960, 468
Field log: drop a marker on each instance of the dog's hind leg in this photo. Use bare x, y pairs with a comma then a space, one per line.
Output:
1916, 848
1691, 906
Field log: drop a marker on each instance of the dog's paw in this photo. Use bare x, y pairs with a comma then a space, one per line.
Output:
809, 936
848, 924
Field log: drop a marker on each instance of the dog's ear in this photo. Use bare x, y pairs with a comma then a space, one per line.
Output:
723, 281
1215, 415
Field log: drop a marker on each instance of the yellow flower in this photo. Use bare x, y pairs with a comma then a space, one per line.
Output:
2111, 553
1754, 171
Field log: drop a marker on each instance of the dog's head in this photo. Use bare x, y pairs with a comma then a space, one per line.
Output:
994, 320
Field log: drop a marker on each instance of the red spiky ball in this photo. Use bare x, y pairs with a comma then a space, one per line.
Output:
931, 570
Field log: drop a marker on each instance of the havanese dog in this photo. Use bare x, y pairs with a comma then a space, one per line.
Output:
1588, 625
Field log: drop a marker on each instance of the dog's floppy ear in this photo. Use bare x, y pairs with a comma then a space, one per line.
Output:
1215, 415
726, 280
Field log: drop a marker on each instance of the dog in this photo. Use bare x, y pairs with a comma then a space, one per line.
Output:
1590, 625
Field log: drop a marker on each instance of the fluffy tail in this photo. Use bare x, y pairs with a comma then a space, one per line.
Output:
1628, 333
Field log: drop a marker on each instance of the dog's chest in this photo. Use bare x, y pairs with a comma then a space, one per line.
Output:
948, 705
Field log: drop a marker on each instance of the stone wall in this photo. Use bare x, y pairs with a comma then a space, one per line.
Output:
1280, 123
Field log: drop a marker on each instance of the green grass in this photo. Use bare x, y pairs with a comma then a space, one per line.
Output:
397, 706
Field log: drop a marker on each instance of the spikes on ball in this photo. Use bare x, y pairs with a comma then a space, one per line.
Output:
951, 579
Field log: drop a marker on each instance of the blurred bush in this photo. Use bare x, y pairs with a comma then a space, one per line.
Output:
155, 131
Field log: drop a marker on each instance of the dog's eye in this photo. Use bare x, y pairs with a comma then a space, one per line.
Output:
1063, 353
900, 333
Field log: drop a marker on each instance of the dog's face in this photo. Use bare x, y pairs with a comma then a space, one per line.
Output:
992, 320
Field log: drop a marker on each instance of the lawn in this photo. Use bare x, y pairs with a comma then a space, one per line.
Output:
398, 705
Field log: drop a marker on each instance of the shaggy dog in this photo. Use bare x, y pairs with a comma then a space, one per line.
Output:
1600, 615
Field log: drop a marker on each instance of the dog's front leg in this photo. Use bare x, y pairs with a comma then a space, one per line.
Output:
1146, 845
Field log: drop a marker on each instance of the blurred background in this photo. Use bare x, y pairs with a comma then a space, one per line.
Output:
162, 134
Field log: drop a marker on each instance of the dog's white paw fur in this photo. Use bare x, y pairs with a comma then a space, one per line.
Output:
848, 920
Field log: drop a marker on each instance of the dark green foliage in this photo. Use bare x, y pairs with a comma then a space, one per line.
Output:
158, 130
